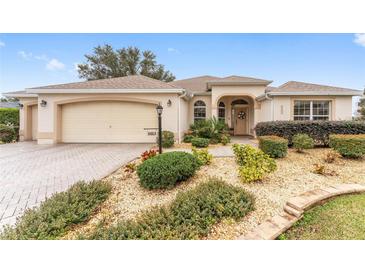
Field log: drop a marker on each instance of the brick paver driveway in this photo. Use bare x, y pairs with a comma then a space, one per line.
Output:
29, 172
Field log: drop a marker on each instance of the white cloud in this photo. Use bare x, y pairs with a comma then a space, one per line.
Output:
54, 64
360, 39
25, 55
2, 44
42, 57
173, 50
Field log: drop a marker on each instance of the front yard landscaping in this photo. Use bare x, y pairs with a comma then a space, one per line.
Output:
181, 195
341, 218
295, 174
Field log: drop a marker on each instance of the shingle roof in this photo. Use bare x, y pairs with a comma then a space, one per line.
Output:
196, 83
301, 86
235, 78
200, 83
9, 104
126, 82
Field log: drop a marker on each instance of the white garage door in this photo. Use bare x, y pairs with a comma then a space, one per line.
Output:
109, 122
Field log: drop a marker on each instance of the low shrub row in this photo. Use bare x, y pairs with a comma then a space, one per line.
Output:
190, 216
167, 169
253, 163
56, 215
318, 130
351, 146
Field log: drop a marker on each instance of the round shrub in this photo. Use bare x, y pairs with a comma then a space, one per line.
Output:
200, 142
203, 156
350, 146
7, 134
225, 139
188, 138
168, 139
167, 169
274, 146
302, 141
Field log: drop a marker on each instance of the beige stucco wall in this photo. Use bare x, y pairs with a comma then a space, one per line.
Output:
208, 102
266, 111
48, 117
341, 106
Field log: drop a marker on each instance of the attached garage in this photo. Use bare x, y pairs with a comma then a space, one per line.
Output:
109, 122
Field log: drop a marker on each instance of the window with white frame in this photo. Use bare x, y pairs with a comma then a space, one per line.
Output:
221, 111
199, 110
312, 110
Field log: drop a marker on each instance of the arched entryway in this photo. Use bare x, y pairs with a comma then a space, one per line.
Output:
238, 113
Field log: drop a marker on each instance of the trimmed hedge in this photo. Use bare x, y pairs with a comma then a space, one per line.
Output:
351, 146
200, 142
7, 134
274, 146
167, 169
9, 116
190, 216
254, 163
56, 215
318, 130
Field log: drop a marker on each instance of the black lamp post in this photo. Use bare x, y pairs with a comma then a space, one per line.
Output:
159, 110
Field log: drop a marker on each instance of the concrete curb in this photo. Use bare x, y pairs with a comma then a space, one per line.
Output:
294, 209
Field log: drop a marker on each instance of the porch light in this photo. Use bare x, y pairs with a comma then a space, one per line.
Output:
159, 110
169, 103
43, 103
21, 105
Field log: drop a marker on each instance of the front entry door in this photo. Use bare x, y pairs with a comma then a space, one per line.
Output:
240, 126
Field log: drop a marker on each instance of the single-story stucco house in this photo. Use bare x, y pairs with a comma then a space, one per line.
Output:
123, 110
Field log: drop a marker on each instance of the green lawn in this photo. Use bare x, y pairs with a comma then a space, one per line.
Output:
342, 218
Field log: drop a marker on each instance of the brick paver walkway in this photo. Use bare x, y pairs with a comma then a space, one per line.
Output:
29, 172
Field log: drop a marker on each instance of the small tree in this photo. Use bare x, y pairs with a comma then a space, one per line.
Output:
361, 109
105, 62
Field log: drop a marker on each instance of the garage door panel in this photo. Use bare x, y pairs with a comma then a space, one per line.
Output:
108, 122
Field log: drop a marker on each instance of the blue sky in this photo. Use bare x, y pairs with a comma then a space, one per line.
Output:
29, 60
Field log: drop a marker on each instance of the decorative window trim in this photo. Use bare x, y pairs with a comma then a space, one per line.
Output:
200, 110
311, 116
222, 111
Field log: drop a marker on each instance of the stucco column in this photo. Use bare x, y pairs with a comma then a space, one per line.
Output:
46, 122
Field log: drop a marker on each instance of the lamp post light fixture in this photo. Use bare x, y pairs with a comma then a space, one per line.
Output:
21, 105
43, 103
159, 110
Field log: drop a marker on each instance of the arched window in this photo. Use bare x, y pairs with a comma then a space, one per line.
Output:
199, 110
221, 111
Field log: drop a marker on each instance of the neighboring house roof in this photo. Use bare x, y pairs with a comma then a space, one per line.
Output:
204, 83
9, 104
18, 94
126, 82
301, 86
